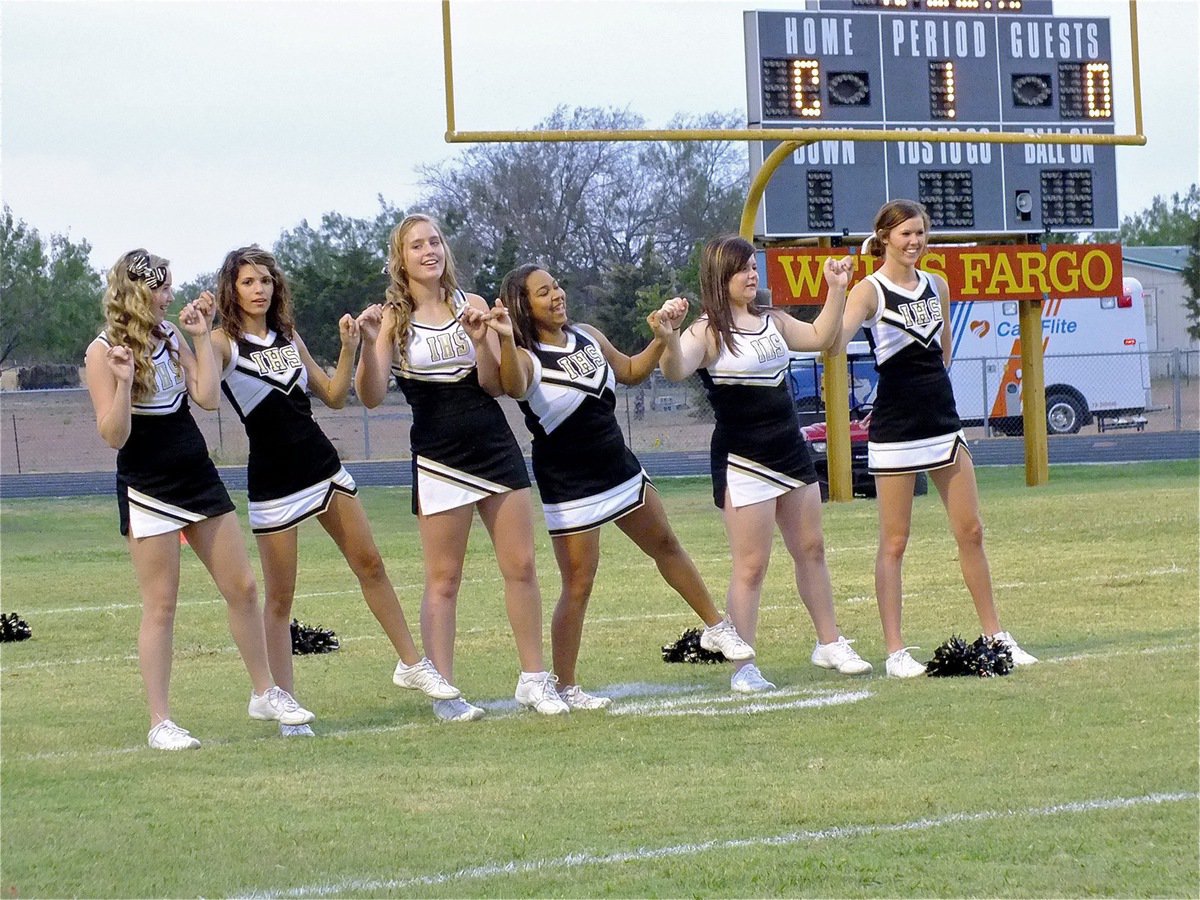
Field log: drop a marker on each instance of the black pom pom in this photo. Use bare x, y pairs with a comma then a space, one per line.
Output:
983, 659
688, 650
312, 640
14, 628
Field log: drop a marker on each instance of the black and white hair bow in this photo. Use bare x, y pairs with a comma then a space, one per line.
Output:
141, 270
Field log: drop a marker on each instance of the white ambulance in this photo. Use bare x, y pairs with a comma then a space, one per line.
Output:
1095, 352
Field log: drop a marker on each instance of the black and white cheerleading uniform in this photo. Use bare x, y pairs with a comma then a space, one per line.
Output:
757, 450
293, 471
462, 448
585, 473
165, 478
915, 425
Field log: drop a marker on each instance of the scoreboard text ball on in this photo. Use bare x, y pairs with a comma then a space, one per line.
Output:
969, 66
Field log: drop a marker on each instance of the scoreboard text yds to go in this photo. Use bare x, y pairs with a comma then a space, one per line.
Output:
942, 72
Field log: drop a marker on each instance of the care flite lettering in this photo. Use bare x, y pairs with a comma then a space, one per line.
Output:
1049, 327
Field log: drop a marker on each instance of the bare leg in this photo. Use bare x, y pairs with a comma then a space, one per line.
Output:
156, 565
578, 557
508, 518
347, 524
218, 544
751, 531
894, 496
277, 553
648, 527
798, 514
960, 496
444, 547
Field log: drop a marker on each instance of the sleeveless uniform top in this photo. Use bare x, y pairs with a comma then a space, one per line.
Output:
165, 478
757, 450
914, 399
267, 383
579, 450
462, 447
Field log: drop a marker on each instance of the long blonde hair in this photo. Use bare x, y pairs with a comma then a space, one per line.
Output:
129, 315
399, 294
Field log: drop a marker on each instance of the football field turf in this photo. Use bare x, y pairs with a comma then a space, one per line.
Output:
1073, 777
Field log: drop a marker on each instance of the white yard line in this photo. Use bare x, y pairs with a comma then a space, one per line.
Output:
647, 854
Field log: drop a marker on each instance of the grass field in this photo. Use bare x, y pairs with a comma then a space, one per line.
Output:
1074, 777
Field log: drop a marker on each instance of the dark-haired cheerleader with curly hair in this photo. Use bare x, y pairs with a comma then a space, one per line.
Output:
294, 472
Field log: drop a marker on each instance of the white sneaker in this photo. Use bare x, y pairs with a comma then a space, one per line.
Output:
540, 693
901, 665
723, 638
295, 731
456, 710
166, 735
423, 676
748, 680
1019, 656
576, 698
841, 656
277, 704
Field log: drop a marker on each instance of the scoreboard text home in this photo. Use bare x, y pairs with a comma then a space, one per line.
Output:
928, 69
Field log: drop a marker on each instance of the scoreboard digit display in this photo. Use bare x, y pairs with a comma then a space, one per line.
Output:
969, 67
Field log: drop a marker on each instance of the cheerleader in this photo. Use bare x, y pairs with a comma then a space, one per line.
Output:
564, 377
762, 475
294, 472
914, 424
140, 373
435, 340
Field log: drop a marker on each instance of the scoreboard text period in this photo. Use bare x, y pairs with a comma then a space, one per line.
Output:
922, 68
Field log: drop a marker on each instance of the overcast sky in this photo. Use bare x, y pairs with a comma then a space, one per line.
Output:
195, 127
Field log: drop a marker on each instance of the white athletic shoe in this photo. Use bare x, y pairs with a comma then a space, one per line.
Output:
901, 665
423, 676
166, 735
295, 731
278, 705
576, 698
1019, 656
723, 638
749, 680
540, 693
456, 710
841, 656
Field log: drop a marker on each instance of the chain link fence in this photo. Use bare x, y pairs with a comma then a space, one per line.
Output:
51, 431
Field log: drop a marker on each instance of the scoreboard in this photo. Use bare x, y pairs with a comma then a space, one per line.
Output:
888, 65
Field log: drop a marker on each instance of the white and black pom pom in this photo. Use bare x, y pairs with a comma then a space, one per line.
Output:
688, 650
982, 658
14, 628
306, 639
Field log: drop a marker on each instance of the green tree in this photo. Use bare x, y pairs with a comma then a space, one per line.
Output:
51, 308
1191, 276
1162, 224
335, 269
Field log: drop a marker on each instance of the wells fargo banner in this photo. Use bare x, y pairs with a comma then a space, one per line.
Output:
1008, 272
